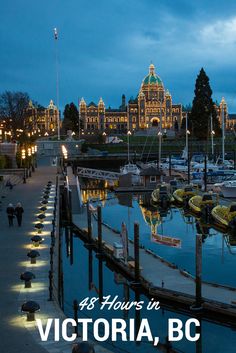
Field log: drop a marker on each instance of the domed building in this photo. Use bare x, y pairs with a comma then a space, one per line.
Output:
152, 106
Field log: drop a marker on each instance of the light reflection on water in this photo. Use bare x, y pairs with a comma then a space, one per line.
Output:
88, 276
219, 259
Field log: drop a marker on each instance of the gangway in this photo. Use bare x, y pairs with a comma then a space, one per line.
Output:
97, 174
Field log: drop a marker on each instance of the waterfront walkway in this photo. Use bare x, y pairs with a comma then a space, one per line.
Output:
14, 337
17, 334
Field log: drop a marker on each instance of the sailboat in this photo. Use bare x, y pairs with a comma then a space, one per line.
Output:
131, 168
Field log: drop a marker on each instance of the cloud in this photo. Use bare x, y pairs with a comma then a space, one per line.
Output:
221, 32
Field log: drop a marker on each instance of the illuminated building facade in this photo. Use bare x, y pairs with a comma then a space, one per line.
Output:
40, 119
152, 105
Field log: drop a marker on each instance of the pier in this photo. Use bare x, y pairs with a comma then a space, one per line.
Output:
158, 277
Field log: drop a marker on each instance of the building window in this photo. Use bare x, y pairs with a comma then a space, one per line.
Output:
153, 179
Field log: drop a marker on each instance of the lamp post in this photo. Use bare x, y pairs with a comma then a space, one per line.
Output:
23, 155
212, 137
223, 130
29, 160
128, 134
160, 136
57, 83
104, 137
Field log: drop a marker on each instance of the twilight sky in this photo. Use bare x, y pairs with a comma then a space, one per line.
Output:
106, 46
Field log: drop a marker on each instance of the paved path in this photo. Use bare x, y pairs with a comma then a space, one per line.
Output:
17, 335
14, 338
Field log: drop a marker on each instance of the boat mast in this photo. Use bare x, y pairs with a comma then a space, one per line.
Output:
223, 130
160, 136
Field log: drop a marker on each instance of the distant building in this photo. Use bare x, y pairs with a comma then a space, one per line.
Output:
41, 120
152, 105
230, 119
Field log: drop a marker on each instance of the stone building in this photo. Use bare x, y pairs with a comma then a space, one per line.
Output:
40, 119
152, 106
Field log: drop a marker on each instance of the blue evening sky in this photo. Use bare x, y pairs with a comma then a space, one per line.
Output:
106, 46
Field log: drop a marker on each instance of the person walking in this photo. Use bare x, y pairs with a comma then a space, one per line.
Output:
19, 212
10, 214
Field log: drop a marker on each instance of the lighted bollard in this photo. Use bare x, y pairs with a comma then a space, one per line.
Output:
33, 254
27, 277
30, 308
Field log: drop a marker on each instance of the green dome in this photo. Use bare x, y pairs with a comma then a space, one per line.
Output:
152, 78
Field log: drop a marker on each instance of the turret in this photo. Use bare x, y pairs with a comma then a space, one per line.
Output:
101, 114
83, 112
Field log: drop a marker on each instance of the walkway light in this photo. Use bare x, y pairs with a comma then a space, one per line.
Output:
27, 277
33, 254
30, 308
36, 240
23, 153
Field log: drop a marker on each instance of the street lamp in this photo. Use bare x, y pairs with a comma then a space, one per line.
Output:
128, 135
212, 142
104, 136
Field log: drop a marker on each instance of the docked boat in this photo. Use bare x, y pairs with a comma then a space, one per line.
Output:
198, 204
225, 216
162, 196
228, 189
183, 195
132, 169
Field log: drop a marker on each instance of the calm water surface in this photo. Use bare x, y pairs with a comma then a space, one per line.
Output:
219, 257
87, 276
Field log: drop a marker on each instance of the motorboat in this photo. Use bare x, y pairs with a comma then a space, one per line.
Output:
132, 169
162, 195
182, 196
225, 216
200, 203
228, 189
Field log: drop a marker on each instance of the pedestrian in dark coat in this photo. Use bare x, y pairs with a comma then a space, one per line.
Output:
19, 212
10, 214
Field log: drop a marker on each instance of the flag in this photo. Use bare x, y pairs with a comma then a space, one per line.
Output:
55, 34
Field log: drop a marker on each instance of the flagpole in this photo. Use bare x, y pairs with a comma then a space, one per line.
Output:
57, 83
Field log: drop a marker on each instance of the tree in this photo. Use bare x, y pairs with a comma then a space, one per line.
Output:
12, 109
202, 109
71, 118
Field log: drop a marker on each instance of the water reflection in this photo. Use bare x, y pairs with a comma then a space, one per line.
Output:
89, 276
218, 248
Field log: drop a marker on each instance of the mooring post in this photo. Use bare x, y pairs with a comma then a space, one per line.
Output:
76, 308
198, 303
99, 213
188, 168
136, 251
100, 279
234, 159
89, 223
170, 165
205, 173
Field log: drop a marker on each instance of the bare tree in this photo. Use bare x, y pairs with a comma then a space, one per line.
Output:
12, 109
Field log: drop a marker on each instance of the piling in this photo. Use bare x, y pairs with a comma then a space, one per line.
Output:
75, 309
205, 173
89, 223
99, 215
198, 292
136, 252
